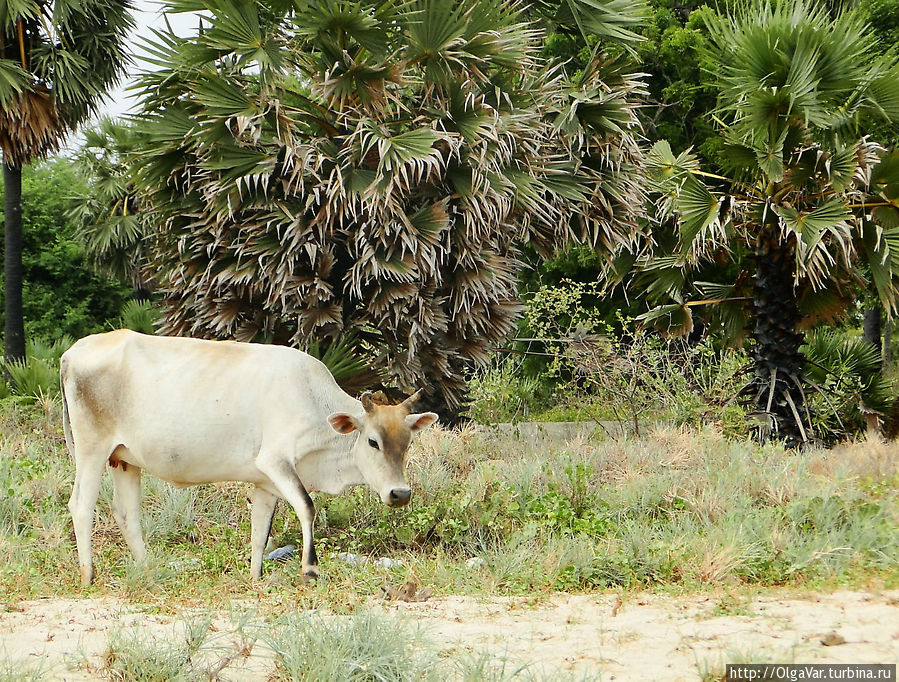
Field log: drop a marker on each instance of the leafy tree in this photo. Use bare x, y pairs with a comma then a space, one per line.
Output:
111, 225
675, 57
807, 199
375, 169
62, 294
56, 61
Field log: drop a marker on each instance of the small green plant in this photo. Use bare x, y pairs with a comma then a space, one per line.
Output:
363, 647
846, 373
133, 655
37, 376
34, 377
16, 671
139, 316
346, 360
501, 393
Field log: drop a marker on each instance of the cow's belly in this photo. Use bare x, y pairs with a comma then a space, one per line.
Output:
193, 456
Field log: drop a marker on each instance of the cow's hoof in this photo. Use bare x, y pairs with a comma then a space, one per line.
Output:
311, 576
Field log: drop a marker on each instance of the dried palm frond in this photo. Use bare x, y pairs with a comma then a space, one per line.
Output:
384, 185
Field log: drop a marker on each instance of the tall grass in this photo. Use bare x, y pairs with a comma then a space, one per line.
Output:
676, 508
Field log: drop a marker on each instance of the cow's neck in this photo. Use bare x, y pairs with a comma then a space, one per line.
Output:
346, 464
332, 467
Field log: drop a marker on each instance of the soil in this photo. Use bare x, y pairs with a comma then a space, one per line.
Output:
631, 637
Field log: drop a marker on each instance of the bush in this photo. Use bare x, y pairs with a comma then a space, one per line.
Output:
594, 370
501, 394
848, 384
37, 375
140, 316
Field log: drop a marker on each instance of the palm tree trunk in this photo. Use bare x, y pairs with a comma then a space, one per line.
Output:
871, 326
887, 354
14, 331
778, 363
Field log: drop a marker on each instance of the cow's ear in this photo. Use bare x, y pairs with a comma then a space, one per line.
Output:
420, 421
343, 422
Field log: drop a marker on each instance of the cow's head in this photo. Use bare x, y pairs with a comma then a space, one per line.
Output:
385, 432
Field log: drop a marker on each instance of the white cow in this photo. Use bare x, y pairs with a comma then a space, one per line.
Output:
192, 411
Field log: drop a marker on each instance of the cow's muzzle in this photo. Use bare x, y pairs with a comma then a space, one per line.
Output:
399, 497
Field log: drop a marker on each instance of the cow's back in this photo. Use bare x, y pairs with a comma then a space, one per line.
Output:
179, 404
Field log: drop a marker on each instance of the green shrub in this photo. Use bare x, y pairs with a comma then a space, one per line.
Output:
139, 316
597, 371
37, 375
848, 382
363, 647
501, 394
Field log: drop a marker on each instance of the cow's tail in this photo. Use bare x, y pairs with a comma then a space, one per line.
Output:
66, 424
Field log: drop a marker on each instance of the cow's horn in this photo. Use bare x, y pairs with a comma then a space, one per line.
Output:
409, 402
367, 403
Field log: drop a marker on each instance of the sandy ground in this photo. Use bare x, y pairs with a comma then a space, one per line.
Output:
645, 637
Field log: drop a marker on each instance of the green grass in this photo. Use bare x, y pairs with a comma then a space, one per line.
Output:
678, 510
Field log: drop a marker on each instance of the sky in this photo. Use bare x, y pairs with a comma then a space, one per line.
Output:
147, 16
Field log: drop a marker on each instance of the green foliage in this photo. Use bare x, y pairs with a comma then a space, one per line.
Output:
62, 295
501, 393
375, 170
676, 58
37, 375
849, 383
361, 647
599, 372
141, 316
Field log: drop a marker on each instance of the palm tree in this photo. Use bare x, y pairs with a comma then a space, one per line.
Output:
57, 59
375, 169
110, 223
803, 201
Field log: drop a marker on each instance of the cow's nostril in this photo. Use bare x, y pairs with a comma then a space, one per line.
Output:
400, 496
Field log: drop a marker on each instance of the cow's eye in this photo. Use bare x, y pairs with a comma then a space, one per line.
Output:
373, 443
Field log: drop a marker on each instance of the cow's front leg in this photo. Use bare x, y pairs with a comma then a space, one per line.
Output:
261, 514
283, 474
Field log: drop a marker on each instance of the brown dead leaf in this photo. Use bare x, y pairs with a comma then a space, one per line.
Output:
833, 639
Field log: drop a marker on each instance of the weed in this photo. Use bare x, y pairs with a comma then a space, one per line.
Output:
134, 655
16, 671
359, 647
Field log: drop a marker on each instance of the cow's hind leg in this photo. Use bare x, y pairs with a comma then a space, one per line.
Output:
261, 514
283, 474
83, 501
126, 499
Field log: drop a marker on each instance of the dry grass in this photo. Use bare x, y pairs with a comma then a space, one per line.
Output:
679, 507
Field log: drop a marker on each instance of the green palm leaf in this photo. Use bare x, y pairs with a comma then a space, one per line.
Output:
13, 81
699, 210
